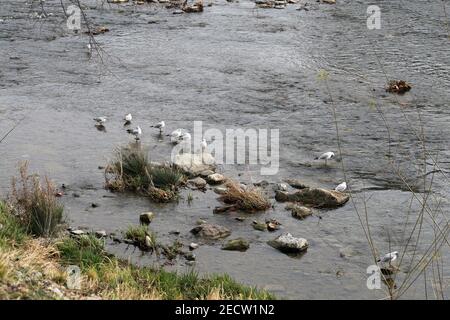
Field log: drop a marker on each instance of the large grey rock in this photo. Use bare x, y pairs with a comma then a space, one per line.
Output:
193, 164
318, 198
211, 231
287, 243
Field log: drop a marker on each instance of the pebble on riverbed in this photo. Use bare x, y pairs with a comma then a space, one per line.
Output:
260, 226
220, 190
189, 256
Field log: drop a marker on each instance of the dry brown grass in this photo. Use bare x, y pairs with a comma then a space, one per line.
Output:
248, 199
34, 202
23, 269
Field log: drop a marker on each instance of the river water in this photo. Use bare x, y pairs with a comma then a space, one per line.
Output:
234, 66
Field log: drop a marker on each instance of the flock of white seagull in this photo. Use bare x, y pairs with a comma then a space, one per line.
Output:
177, 136
182, 135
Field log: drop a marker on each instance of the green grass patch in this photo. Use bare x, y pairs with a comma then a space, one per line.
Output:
131, 170
35, 204
120, 279
12, 232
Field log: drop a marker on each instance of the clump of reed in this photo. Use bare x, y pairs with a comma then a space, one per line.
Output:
246, 199
34, 202
131, 170
141, 237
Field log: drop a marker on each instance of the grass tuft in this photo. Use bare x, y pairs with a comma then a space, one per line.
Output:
131, 170
35, 203
141, 237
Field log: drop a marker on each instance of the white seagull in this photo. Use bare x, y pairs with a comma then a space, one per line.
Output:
175, 136
389, 257
325, 156
185, 137
128, 119
100, 120
136, 132
341, 187
204, 145
160, 126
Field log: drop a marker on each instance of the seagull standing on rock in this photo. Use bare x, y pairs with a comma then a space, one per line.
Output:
325, 156
160, 126
389, 257
341, 187
136, 132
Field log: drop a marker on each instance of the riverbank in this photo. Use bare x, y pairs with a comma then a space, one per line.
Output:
35, 268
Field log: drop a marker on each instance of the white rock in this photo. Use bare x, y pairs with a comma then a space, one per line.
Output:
195, 163
220, 190
77, 232
193, 246
281, 186
289, 244
215, 178
100, 233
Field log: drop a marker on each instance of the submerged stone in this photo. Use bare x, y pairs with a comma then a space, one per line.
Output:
319, 198
211, 231
299, 212
238, 244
